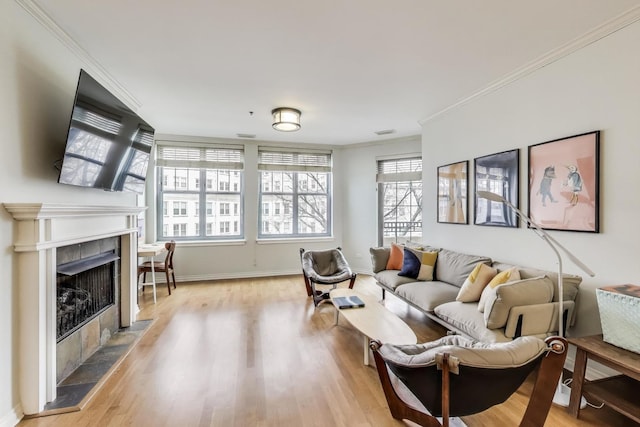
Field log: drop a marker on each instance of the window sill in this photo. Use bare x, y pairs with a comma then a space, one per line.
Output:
206, 243
286, 240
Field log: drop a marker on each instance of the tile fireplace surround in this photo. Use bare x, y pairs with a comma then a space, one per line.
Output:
39, 229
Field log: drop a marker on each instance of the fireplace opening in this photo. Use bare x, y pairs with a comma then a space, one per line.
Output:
84, 288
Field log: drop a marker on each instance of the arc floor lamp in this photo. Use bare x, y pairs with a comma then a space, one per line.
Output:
561, 396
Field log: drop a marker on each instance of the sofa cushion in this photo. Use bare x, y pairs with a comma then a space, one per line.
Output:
465, 317
570, 282
465, 352
476, 281
454, 267
537, 290
505, 276
390, 279
427, 295
379, 258
396, 257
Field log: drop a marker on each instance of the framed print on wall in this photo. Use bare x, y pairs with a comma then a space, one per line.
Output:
453, 192
564, 183
497, 173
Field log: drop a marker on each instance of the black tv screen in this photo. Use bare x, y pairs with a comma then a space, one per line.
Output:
108, 145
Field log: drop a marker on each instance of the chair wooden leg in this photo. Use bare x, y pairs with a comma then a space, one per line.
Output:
398, 408
173, 276
547, 379
307, 284
166, 272
314, 293
353, 281
445, 390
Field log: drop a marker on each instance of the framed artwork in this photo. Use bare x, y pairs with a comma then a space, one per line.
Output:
453, 192
564, 183
497, 173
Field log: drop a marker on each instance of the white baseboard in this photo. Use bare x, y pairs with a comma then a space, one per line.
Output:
13, 417
244, 275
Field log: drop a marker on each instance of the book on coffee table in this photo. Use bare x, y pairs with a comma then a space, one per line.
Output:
348, 302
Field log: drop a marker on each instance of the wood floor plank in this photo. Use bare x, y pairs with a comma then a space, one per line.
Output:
255, 352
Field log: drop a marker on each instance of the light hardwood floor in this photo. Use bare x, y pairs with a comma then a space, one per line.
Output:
255, 352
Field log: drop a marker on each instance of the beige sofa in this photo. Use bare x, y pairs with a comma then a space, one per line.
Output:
525, 307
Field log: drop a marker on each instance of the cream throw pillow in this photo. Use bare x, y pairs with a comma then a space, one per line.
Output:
505, 276
472, 287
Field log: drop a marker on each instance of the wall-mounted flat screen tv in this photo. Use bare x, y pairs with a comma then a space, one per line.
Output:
108, 145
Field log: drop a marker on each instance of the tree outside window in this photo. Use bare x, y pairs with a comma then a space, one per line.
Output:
399, 200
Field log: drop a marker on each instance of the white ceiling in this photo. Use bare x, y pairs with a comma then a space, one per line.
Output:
353, 67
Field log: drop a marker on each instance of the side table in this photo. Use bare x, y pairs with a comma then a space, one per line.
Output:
620, 392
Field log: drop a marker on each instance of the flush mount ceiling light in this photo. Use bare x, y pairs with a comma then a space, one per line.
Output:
286, 119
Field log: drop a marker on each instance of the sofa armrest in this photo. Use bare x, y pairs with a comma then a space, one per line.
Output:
535, 319
501, 299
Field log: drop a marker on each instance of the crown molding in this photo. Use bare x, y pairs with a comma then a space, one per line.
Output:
605, 29
98, 71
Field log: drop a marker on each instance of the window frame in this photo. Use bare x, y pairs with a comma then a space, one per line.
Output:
396, 171
296, 163
198, 160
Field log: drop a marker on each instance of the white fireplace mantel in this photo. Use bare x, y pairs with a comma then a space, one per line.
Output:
40, 229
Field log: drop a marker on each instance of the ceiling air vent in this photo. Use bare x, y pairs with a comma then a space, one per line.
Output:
245, 135
385, 132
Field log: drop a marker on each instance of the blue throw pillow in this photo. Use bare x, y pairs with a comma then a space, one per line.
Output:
410, 265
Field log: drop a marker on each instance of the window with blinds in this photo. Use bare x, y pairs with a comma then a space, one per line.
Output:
200, 192
295, 193
399, 199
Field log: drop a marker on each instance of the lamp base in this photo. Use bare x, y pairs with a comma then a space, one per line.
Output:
562, 395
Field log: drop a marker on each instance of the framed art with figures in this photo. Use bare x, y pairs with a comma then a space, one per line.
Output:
452, 193
564, 183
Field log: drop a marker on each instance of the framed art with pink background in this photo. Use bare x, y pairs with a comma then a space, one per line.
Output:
564, 183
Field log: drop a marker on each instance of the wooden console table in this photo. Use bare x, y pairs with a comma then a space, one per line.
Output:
621, 392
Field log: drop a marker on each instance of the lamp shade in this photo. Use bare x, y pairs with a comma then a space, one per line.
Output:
286, 119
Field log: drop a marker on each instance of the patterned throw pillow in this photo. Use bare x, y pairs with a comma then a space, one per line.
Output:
395, 257
418, 264
505, 276
472, 288
410, 265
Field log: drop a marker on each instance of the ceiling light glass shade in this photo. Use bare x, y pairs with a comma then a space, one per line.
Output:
286, 119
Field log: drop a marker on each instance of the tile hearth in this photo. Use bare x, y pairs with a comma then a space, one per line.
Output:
80, 383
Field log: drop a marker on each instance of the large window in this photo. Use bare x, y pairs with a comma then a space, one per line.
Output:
399, 200
295, 193
200, 212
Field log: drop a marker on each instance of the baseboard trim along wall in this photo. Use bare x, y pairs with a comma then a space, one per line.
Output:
13, 417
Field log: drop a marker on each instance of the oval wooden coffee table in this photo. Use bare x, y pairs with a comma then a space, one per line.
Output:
374, 321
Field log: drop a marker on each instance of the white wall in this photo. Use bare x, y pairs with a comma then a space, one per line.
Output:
595, 88
360, 197
38, 77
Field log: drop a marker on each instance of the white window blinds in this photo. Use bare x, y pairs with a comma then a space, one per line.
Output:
94, 120
293, 160
220, 157
398, 170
